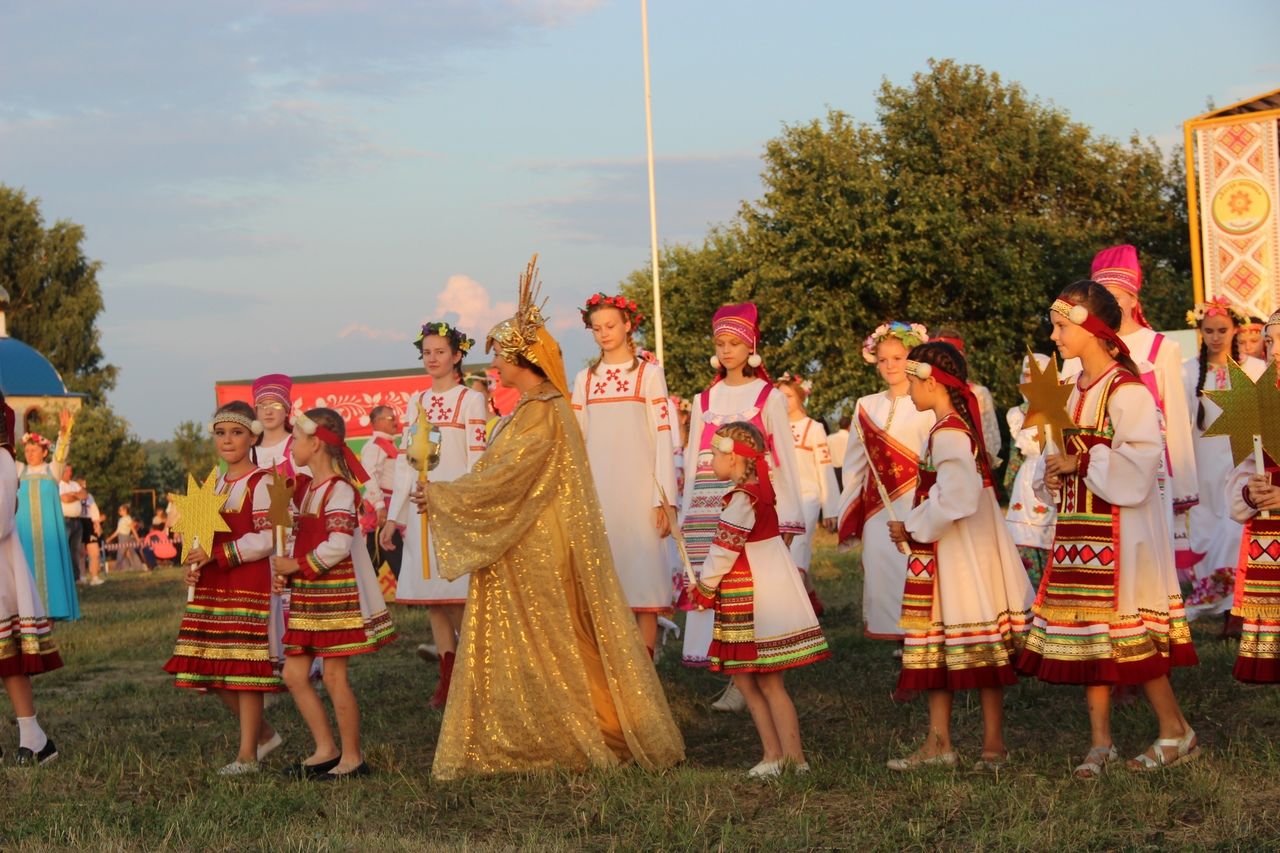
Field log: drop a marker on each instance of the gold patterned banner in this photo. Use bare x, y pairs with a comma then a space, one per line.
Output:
1239, 178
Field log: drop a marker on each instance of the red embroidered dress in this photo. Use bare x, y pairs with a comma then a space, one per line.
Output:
1109, 610
966, 604
224, 641
763, 619
326, 618
1257, 582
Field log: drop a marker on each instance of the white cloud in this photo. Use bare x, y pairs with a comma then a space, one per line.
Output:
469, 302
364, 331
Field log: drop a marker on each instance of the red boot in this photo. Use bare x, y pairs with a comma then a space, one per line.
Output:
442, 687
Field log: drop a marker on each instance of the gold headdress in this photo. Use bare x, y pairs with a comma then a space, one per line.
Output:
525, 333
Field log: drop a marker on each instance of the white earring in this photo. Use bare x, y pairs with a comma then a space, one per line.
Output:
755, 360
715, 363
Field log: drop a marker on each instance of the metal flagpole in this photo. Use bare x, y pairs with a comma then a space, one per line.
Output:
653, 199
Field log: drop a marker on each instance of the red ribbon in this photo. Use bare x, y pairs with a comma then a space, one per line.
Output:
332, 439
975, 414
762, 467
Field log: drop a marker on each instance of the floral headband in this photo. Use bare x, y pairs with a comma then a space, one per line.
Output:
910, 334
1080, 315
459, 341
805, 385
1215, 307
37, 439
252, 424
628, 307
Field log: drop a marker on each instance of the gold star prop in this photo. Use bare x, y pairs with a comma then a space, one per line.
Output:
1047, 402
281, 491
200, 513
1248, 408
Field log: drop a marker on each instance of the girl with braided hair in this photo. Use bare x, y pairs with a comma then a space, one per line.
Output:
763, 622
966, 604
626, 418
332, 614
1214, 535
1109, 611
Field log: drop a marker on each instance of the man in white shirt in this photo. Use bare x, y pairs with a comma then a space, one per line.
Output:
72, 509
378, 457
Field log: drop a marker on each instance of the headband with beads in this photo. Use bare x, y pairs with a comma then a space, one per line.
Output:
1080, 315
252, 424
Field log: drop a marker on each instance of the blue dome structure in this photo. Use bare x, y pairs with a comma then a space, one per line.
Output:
24, 372
30, 383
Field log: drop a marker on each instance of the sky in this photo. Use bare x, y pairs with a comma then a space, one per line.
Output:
293, 186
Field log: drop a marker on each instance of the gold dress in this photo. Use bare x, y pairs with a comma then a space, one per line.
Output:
551, 670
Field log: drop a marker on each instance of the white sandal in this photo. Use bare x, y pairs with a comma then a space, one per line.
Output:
916, 761
1095, 762
1187, 749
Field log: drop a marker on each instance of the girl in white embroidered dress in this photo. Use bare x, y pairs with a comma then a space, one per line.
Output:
625, 415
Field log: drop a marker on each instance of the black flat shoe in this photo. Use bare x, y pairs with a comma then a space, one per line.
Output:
361, 769
310, 771
28, 758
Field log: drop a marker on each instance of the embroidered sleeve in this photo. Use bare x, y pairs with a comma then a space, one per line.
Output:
736, 520
1124, 473
256, 544
473, 414
957, 492
371, 459
661, 448
340, 523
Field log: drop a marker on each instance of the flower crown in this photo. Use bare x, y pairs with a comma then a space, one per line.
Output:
1218, 306
806, 385
628, 307
911, 335
456, 338
36, 438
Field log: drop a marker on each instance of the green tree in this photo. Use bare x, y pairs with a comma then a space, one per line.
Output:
192, 450
54, 298
107, 455
695, 281
162, 472
969, 203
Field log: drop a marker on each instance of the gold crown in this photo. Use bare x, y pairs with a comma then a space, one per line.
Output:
518, 335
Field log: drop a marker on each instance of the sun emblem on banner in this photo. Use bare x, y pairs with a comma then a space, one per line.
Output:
1240, 206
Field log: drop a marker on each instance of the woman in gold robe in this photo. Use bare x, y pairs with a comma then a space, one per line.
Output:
551, 669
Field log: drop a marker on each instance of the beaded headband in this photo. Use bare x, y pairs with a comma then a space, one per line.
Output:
1080, 315
253, 425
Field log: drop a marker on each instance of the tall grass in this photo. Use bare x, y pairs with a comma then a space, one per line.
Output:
136, 771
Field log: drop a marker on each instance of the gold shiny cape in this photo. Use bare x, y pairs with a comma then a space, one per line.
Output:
551, 670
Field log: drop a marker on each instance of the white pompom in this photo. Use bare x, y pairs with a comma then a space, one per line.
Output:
755, 360
257, 427
924, 370
715, 363
1078, 314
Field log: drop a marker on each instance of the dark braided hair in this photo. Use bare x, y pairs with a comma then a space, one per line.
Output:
945, 356
1204, 368
1101, 304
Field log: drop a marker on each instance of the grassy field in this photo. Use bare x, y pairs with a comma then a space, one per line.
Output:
137, 759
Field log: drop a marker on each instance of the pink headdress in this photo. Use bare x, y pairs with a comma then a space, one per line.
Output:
741, 321
273, 386
1118, 267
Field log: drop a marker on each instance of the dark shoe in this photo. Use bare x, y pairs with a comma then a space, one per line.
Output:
310, 771
27, 758
361, 769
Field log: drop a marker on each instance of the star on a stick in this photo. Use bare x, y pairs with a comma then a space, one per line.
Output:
281, 492
200, 513
1248, 408
1047, 402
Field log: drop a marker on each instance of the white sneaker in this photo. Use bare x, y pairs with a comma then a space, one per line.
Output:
98, 581
265, 749
239, 768
731, 700
428, 652
766, 770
